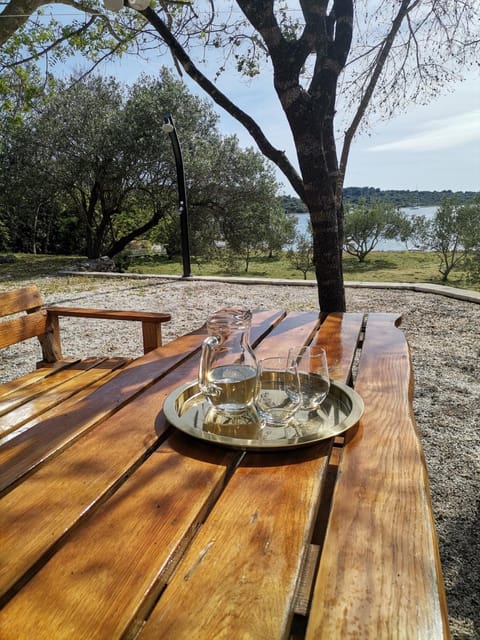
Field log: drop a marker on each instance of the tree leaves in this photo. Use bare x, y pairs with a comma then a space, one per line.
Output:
94, 151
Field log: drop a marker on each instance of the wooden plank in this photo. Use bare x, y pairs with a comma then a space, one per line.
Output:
17, 300
241, 570
379, 573
27, 447
51, 343
99, 584
23, 404
263, 322
16, 410
152, 336
307, 576
339, 336
109, 314
22, 328
296, 329
14, 386
93, 466
259, 532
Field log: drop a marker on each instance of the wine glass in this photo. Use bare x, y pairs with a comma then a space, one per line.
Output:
312, 369
278, 395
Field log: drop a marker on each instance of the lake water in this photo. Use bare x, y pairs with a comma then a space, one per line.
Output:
383, 245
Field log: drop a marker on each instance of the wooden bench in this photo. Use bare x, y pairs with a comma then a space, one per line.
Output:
42, 322
57, 378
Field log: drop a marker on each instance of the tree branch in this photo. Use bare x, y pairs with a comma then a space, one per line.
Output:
405, 7
52, 45
275, 155
262, 18
15, 15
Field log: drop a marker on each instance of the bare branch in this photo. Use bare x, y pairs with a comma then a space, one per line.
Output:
275, 155
106, 56
378, 67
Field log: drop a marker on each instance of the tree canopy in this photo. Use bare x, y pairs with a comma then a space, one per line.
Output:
94, 177
453, 234
335, 64
367, 222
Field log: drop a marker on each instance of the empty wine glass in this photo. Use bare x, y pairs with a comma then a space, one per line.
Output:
312, 369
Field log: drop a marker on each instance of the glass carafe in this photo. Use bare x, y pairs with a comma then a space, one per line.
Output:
227, 374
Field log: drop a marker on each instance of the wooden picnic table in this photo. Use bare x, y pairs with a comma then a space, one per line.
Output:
114, 524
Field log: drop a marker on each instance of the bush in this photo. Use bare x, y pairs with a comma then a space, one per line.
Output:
229, 261
8, 258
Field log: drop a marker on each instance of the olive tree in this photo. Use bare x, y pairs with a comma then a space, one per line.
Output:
366, 223
234, 200
472, 239
257, 231
454, 235
108, 166
335, 65
301, 255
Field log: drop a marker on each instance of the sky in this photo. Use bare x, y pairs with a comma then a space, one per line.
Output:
434, 147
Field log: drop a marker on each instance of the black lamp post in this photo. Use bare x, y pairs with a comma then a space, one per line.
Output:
169, 127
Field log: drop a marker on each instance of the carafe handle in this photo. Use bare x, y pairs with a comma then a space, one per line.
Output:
206, 359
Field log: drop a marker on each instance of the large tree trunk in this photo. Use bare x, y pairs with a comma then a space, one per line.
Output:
326, 214
328, 260
311, 120
327, 245
310, 112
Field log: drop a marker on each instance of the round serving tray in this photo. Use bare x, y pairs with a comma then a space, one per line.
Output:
188, 410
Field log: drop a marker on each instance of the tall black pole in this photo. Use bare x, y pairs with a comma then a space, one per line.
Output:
169, 127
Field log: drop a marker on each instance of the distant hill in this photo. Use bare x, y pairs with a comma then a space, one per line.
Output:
400, 198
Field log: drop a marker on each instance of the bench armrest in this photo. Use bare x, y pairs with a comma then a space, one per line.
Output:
151, 321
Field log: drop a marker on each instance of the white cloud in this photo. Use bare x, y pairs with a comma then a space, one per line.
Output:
446, 133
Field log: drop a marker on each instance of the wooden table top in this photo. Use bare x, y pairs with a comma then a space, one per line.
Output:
114, 524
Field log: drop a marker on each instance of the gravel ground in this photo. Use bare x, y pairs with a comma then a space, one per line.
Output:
443, 334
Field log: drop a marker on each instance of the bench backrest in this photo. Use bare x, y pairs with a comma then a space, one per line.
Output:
33, 322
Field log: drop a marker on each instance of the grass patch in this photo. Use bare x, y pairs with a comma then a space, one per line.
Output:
259, 267
36, 266
400, 266
380, 266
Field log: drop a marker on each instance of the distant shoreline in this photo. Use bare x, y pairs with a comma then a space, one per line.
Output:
383, 245
398, 197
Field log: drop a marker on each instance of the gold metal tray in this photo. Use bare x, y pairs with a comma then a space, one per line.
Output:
188, 410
